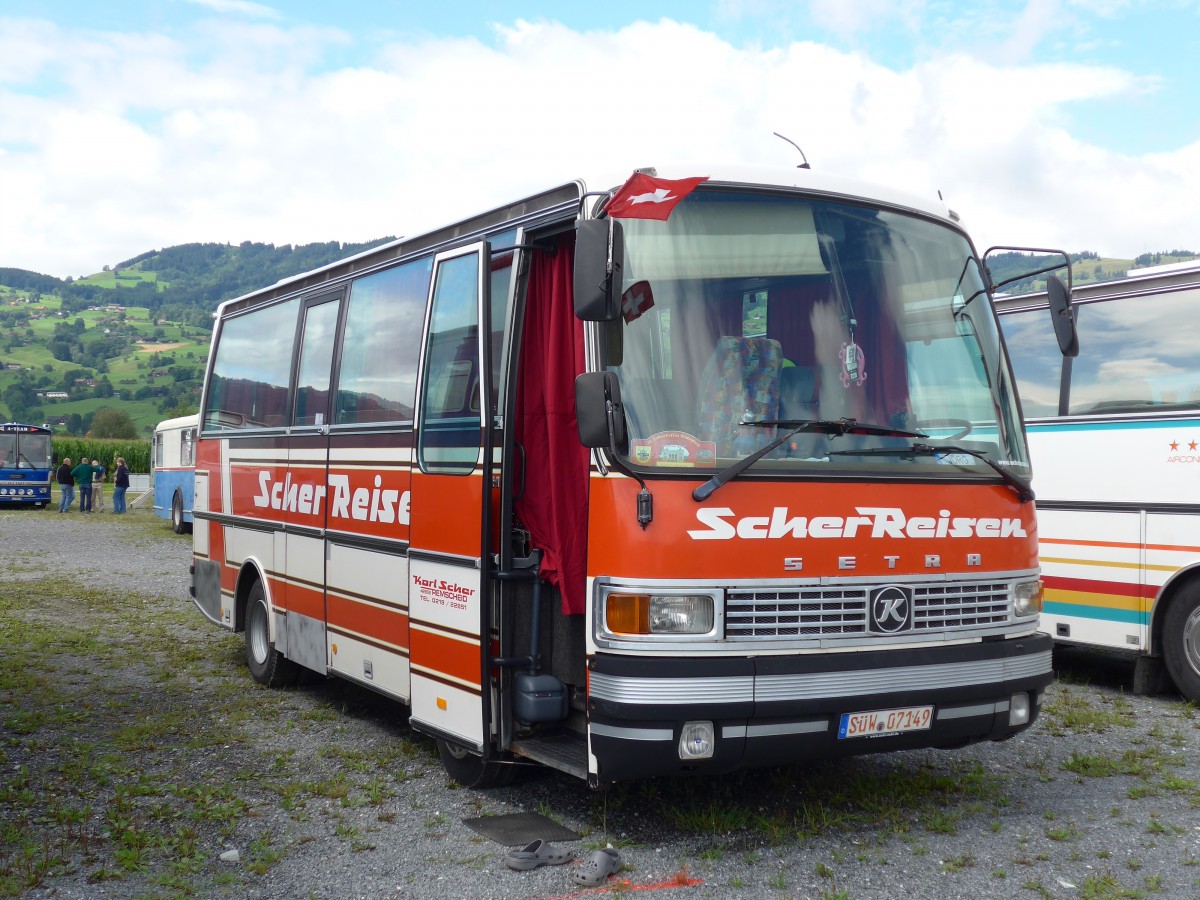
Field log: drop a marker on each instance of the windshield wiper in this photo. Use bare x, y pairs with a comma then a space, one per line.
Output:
832, 427
1020, 485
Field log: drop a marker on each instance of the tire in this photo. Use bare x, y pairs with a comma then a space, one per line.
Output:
1181, 641
473, 771
268, 666
178, 525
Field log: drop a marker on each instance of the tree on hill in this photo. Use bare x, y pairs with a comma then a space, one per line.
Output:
113, 423
21, 401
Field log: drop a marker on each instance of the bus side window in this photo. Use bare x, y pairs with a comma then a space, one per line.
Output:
251, 371
381, 345
451, 425
316, 359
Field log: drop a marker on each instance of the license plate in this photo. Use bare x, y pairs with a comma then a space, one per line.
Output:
885, 721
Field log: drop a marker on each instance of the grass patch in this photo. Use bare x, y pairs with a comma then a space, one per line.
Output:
127, 746
1145, 762
1070, 710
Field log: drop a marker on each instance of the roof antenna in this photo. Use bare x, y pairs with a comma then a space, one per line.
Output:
803, 165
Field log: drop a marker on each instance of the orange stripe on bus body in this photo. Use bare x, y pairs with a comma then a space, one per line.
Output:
748, 529
445, 654
208, 457
1122, 545
299, 598
448, 508
390, 626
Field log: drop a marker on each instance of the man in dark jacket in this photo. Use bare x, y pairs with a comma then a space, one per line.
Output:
66, 484
83, 475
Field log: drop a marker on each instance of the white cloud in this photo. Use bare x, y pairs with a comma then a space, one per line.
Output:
240, 135
238, 7
848, 17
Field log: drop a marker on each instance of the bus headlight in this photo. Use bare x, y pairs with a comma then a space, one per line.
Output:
697, 740
650, 614
1027, 598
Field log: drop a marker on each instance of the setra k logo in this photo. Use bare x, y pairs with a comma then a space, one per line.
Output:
891, 609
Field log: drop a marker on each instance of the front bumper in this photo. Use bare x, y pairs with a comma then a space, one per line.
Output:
775, 710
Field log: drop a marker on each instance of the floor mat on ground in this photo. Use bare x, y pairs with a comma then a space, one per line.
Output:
518, 829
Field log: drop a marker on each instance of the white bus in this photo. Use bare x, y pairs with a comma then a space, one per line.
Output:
1115, 436
175, 471
706, 473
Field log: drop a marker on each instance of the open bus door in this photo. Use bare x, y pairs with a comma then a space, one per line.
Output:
451, 514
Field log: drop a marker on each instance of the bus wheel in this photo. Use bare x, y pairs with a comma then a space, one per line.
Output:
178, 525
267, 665
1181, 641
473, 771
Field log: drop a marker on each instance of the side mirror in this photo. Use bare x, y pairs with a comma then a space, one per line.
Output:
598, 411
597, 283
1061, 317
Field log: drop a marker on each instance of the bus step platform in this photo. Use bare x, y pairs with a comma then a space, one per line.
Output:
562, 750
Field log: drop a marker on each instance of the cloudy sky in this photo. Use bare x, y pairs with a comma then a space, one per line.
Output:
132, 126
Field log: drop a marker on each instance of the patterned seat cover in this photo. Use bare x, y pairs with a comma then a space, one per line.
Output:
740, 384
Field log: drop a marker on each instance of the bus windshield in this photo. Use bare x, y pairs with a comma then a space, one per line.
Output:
25, 451
745, 314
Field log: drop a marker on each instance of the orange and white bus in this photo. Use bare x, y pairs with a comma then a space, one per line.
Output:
708, 473
1115, 435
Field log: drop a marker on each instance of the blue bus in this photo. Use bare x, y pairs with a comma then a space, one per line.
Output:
175, 471
25, 465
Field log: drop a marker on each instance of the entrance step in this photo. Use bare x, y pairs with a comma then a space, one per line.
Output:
564, 750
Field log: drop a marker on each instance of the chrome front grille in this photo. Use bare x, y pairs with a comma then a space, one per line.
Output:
937, 607
837, 612
808, 613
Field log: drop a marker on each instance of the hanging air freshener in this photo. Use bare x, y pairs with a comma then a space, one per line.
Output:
854, 365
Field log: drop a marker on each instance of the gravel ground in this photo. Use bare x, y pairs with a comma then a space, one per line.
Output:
135, 750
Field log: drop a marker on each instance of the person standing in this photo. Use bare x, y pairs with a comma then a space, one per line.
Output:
120, 486
66, 484
98, 484
83, 474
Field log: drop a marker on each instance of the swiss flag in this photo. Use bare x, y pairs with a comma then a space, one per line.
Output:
636, 300
647, 197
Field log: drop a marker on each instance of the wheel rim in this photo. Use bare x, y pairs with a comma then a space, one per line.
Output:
456, 751
1191, 640
257, 627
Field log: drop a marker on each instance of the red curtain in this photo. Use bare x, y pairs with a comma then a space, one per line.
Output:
554, 505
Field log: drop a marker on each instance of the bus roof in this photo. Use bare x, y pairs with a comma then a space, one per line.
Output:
563, 200
179, 422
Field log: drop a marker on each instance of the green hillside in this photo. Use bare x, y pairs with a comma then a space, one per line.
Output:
133, 337
1086, 267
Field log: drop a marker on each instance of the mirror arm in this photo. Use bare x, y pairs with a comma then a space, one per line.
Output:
645, 500
586, 194
1043, 250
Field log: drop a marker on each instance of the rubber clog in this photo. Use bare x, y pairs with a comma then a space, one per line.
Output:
599, 866
539, 853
